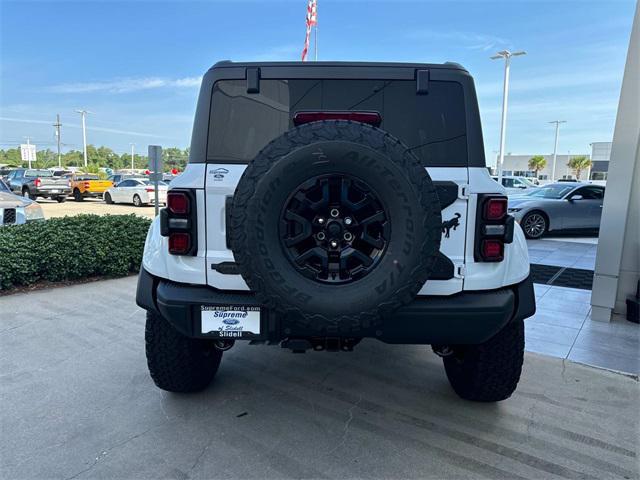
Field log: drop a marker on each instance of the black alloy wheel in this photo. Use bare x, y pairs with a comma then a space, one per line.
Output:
334, 229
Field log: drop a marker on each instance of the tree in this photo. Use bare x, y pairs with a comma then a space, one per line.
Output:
578, 164
537, 163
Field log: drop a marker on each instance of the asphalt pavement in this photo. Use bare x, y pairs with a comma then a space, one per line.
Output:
77, 402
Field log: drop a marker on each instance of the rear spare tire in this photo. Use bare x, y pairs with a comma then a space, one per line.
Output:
335, 223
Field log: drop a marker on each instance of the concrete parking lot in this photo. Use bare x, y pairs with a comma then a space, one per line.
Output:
95, 206
77, 402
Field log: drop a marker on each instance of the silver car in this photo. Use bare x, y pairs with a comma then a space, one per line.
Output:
558, 206
15, 209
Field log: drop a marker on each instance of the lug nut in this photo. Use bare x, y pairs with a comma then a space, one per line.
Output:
347, 236
334, 212
320, 236
334, 244
348, 221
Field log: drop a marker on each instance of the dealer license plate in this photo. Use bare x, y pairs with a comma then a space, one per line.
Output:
230, 321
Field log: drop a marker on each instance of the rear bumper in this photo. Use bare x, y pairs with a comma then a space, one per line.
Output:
61, 192
464, 318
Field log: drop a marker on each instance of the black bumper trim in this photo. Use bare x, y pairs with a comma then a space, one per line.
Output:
464, 318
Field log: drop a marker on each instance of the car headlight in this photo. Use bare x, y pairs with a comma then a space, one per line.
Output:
33, 212
513, 210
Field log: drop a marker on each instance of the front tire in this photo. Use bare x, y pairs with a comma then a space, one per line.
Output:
178, 363
488, 372
77, 195
534, 225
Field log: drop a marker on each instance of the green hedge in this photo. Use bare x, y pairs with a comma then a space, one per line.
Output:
70, 248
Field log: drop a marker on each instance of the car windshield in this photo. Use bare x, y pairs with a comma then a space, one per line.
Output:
528, 182
551, 191
38, 173
3, 187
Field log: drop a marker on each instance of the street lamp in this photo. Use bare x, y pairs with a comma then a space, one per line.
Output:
132, 155
83, 114
555, 148
506, 54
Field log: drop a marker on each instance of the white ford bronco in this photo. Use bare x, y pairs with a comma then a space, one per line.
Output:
324, 203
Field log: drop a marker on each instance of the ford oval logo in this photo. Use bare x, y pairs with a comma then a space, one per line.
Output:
231, 321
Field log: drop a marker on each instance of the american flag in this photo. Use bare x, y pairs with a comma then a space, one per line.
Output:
312, 19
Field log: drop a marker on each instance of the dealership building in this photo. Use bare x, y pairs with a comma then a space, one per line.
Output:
518, 165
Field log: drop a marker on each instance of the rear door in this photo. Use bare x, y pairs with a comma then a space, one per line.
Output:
433, 126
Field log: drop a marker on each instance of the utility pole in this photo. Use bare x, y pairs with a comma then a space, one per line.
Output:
555, 148
57, 126
132, 155
83, 114
506, 54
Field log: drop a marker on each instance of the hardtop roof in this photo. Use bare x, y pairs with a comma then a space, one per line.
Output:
445, 65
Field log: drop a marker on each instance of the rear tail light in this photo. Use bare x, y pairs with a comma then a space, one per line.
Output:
495, 208
178, 203
493, 250
178, 222
179, 243
37, 182
149, 189
494, 228
86, 185
372, 118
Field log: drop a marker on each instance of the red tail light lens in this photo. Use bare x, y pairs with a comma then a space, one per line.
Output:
178, 203
149, 189
495, 208
179, 243
372, 118
37, 182
86, 184
493, 250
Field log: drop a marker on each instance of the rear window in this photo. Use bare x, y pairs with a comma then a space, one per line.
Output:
432, 125
38, 173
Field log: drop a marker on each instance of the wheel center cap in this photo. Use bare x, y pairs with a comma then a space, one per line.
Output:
334, 228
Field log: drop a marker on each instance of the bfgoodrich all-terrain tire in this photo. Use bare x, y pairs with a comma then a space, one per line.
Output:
178, 363
488, 372
335, 223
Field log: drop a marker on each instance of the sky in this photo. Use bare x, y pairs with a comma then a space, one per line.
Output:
136, 65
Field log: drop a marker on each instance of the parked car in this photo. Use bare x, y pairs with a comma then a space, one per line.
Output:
565, 206
5, 171
34, 183
84, 185
116, 178
138, 191
514, 185
339, 202
15, 209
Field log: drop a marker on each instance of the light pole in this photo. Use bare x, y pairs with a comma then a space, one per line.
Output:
506, 54
57, 126
132, 154
555, 148
83, 114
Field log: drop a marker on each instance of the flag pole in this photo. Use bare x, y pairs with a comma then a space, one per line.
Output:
315, 43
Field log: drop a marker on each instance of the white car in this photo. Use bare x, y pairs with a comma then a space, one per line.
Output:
516, 185
15, 209
138, 191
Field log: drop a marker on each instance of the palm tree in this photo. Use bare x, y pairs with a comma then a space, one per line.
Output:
578, 164
537, 163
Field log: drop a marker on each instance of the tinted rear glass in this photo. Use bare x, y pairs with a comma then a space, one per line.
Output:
432, 126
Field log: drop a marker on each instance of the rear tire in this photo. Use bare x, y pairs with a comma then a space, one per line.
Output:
27, 194
178, 363
488, 372
61, 199
107, 199
137, 201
